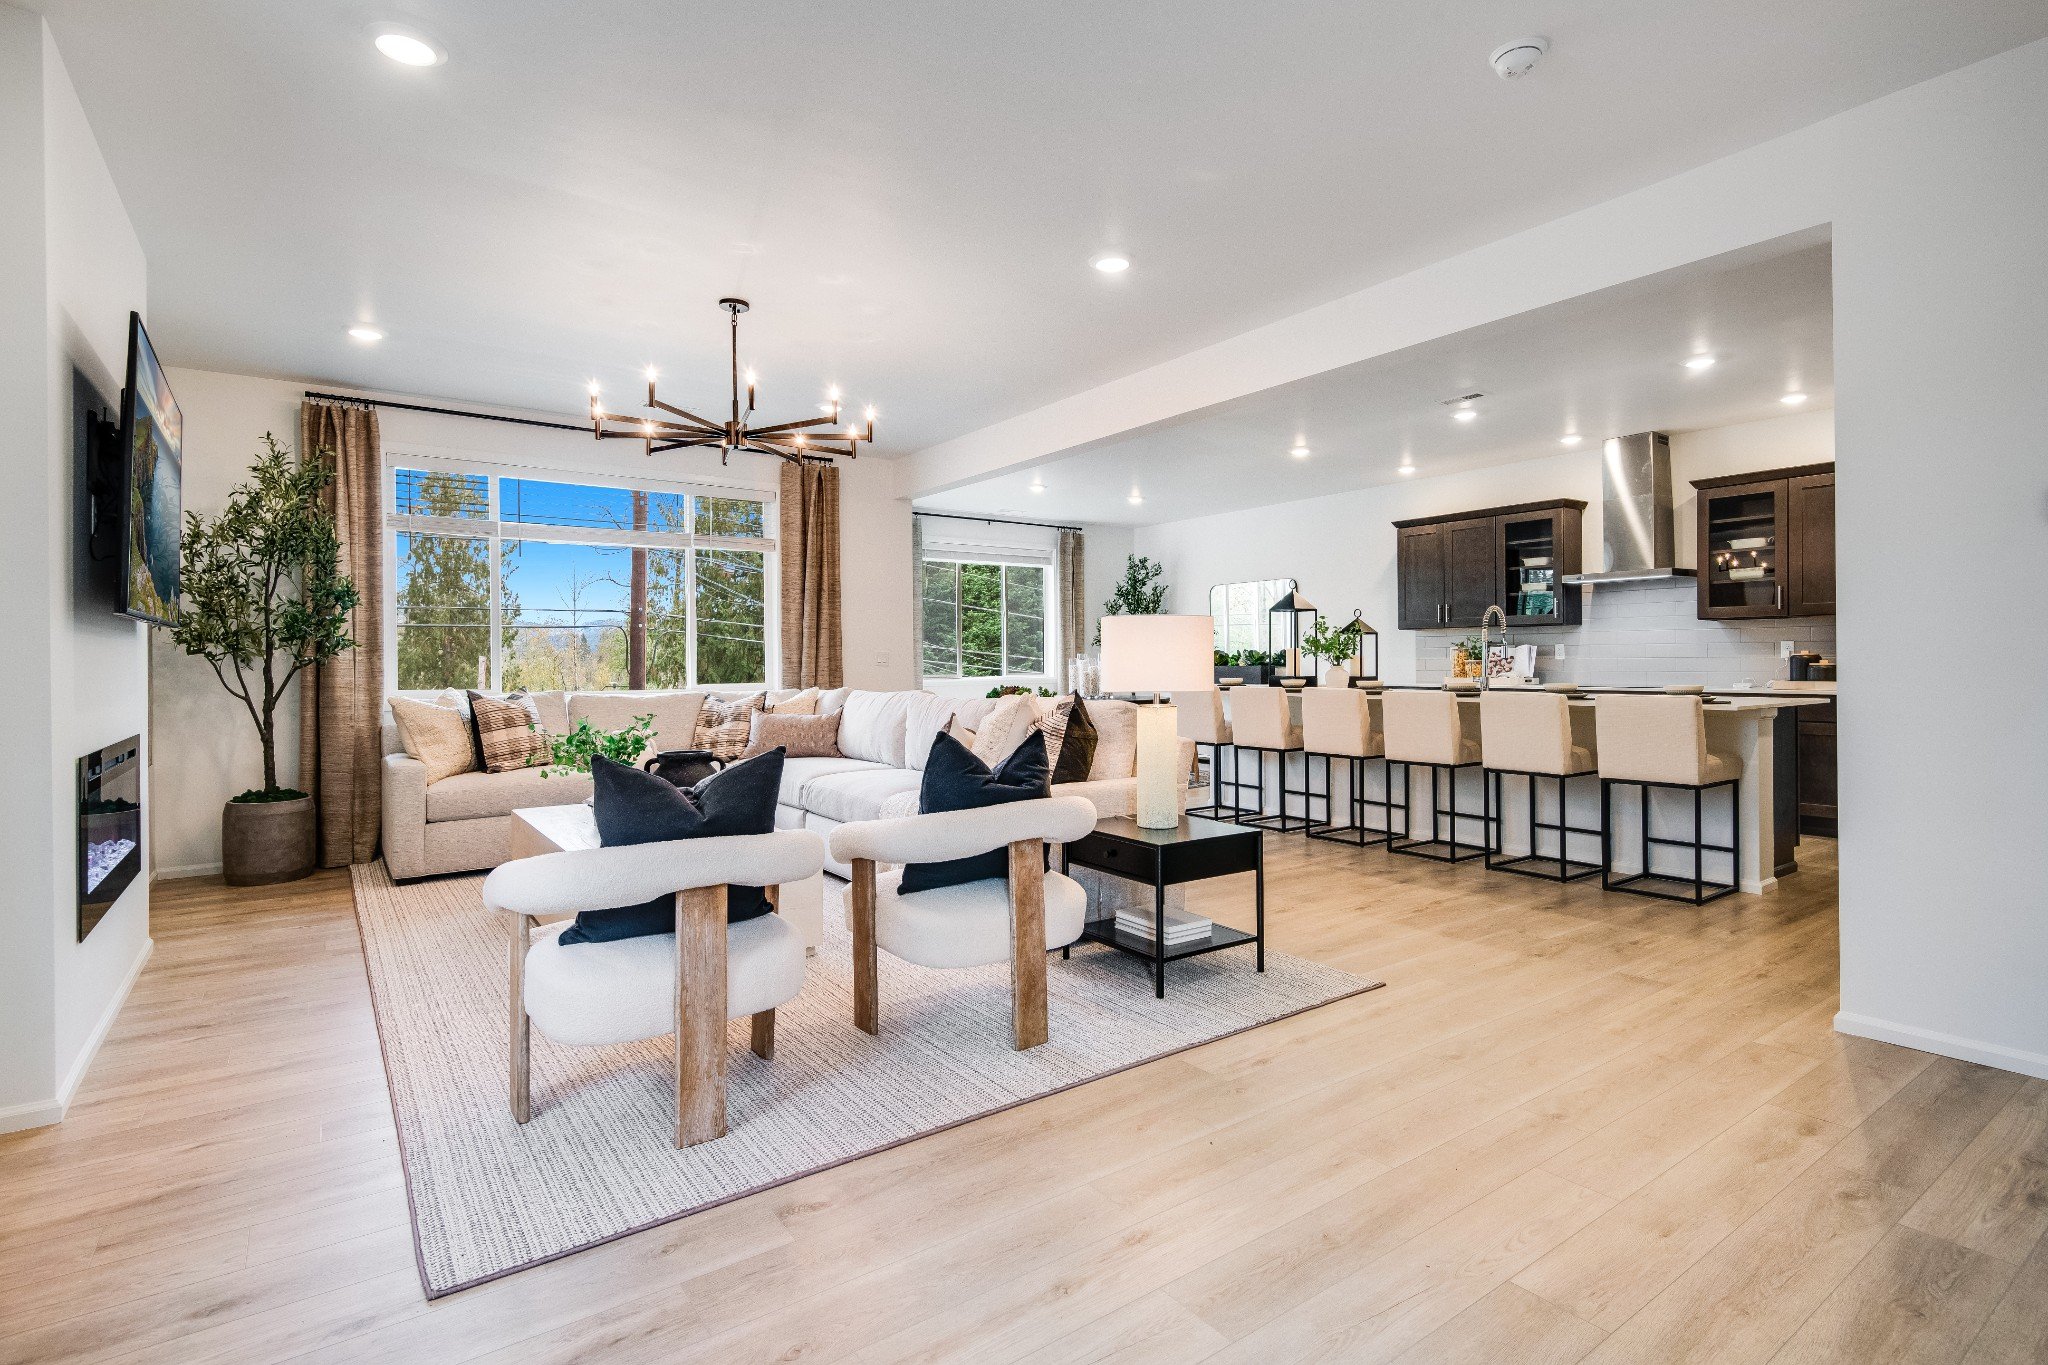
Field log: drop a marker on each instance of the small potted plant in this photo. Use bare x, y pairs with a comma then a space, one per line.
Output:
1247, 666
264, 597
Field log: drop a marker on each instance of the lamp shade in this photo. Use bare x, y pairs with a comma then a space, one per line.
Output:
1158, 653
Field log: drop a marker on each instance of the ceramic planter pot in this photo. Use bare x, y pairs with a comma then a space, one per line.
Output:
266, 841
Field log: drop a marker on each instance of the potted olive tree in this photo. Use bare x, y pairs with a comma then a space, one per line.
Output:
263, 597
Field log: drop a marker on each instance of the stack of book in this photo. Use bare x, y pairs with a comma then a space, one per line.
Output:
1180, 927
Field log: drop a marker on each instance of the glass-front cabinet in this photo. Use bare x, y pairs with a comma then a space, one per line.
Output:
1766, 544
1537, 549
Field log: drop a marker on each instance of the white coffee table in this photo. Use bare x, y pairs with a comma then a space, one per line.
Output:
557, 829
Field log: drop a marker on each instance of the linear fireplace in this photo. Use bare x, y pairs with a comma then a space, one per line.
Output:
109, 828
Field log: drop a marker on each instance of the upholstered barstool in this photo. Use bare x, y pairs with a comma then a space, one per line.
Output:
1261, 724
1434, 730
1661, 741
1202, 722
1537, 735
1343, 723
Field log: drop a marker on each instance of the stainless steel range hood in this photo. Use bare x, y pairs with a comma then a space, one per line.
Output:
1635, 511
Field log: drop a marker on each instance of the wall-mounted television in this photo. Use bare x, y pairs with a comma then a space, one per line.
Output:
151, 489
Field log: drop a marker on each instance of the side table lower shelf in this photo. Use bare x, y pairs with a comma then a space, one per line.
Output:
1195, 851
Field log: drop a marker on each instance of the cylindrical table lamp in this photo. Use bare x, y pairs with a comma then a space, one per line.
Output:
1158, 654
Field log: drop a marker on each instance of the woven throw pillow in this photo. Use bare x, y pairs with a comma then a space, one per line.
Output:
800, 736
437, 736
469, 700
510, 736
1070, 741
724, 725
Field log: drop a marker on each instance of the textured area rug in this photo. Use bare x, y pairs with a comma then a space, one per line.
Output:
490, 1196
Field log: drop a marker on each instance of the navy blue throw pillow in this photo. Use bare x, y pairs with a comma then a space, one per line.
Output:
635, 807
954, 779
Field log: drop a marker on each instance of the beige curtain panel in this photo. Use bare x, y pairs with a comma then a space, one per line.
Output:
809, 546
1073, 600
339, 701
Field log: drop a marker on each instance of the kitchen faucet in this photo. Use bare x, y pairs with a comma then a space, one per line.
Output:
1485, 622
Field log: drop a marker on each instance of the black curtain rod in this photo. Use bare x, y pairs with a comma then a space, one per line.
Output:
482, 416
999, 521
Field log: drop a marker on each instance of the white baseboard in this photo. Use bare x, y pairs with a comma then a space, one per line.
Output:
1944, 1044
42, 1113
171, 874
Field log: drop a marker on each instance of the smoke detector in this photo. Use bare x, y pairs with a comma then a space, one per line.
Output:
1514, 59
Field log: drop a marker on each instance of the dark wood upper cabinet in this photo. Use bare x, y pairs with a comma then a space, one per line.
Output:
1767, 544
1452, 568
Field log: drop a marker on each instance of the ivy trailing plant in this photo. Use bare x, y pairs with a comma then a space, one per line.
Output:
263, 595
1139, 594
574, 748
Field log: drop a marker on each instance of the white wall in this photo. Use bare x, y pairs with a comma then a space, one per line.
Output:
207, 745
76, 672
1341, 550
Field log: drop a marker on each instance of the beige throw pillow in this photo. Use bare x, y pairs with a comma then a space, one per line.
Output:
1007, 726
509, 735
800, 736
437, 736
804, 703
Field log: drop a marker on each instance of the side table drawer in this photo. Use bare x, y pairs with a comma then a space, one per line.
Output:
1113, 856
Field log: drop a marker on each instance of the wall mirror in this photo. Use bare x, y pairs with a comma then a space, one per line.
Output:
1240, 612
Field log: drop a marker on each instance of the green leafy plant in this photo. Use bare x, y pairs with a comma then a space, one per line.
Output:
263, 591
1139, 594
1468, 648
1332, 641
574, 748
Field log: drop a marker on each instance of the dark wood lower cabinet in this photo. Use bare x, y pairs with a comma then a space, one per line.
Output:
1817, 770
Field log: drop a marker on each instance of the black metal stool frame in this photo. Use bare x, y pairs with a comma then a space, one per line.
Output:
1522, 864
1216, 810
1700, 886
1358, 834
1488, 827
1282, 822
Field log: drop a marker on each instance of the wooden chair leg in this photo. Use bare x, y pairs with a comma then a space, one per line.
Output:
700, 1015
866, 968
1028, 1024
763, 1035
520, 1081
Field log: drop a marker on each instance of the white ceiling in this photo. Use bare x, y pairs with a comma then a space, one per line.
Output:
1605, 364
910, 192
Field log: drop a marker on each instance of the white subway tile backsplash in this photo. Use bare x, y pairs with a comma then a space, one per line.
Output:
1650, 633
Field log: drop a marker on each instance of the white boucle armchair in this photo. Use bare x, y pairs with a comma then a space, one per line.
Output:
977, 924
688, 983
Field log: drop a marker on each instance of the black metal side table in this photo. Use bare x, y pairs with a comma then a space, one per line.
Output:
1195, 850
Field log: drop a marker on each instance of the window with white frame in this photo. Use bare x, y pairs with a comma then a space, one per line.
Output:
506, 578
985, 620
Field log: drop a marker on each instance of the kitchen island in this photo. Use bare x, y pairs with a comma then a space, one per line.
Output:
1742, 724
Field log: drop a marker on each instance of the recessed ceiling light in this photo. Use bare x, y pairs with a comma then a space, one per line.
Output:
1112, 264
407, 48
366, 335
1134, 500
1570, 438
1466, 415
1299, 452
1700, 362
1407, 469
1793, 400
1037, 487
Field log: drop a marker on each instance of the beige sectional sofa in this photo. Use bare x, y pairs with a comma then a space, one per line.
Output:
463, 823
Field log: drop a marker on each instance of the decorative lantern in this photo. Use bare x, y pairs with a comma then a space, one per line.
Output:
1295, 610
1364, 662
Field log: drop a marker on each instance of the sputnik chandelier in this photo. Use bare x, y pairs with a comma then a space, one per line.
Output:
796, 442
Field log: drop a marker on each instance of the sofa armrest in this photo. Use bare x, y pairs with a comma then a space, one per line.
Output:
405, 816
1187, 763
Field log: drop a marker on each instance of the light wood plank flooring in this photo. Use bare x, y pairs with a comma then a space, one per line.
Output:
1573, 1127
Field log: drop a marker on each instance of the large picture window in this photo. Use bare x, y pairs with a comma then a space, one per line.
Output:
504, 581
984, 620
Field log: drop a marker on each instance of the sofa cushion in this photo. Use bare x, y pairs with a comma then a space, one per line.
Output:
1070, 740
724, 724
1116, 740
967, 925
857, 795
799, 773
874, 726
437, 736
954, 779
927, 715
797, 735
507, 735
479, 796
793, 701
675, 714
625, 990
1004, 728
635, 807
